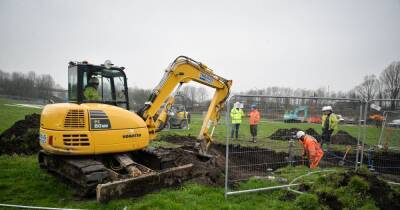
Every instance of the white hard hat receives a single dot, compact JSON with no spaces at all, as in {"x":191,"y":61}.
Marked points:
{"x":326,"y":108}
{"x":236,"y":104}
{"x":300,"y":134}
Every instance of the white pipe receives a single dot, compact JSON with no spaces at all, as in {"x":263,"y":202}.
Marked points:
{"x":261,"y":189}
{"x":304,"y":175}
{"x":34,"y":207}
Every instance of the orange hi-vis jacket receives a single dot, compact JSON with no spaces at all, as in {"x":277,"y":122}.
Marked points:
{"x":254,"y":117}
{"x":313,"y":150}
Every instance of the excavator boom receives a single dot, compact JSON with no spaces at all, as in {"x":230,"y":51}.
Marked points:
{"x":184,"y":70}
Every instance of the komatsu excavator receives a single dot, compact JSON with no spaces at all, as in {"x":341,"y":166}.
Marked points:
{"x":101,"y":146}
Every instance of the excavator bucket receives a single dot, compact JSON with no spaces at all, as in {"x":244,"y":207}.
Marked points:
{"x":146,"y":183}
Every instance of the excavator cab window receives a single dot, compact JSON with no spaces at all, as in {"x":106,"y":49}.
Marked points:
{"x":97,"y":84}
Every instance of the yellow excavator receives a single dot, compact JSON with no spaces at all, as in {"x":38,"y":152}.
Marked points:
{"x":102,"y":147}
{"x":174,"y":115}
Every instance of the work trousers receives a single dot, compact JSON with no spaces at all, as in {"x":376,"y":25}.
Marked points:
{"x":235,"y":129}
{"x":326,"y":137}
{"x":253,"y":130}
{"x":315,"y":161}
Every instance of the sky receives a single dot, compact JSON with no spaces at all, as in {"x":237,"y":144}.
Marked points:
{"x":299,"y":44}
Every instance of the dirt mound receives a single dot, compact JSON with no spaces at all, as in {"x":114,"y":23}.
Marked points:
{"x":342,"y":137}
{"x":211,"y":172}
{"x":287,"y":134}
{"x":284,"y":134}
{"x":313,"y":133}
{"x":22,"y":137}
{"x":208,"y":171}
{"x":353,"y":190}
{"x":205,"y":171}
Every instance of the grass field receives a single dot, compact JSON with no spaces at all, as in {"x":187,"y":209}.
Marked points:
{"x":22,"y":182}
{"x":9,"y":114}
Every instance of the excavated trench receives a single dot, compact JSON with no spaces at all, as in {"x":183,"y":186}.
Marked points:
{"x":211,"y":172}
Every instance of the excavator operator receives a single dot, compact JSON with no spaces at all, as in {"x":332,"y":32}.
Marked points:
{"x":90,"y":91}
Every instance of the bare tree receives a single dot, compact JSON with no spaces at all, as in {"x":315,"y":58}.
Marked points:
{"x":368,"y":88}
{"x":390,"y":78}
{"x":190,"y":92}
{"x":137,"y":97}
{"x":27,"y":85}
{"x":201,"y":94}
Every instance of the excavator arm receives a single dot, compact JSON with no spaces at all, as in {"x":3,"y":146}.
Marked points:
{"x":162,"y":118}
{"x":184,"y":70}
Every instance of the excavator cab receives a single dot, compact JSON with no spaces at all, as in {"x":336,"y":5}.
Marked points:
{"x":112,"y":88}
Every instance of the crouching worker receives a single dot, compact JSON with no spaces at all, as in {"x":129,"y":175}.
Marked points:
{"x":312,"y":148}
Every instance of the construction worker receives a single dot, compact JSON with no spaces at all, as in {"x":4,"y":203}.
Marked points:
{"x":329,"y":124}
{"x":236,"y":117}
{"x":253,"y":121}
{"x":90,"y":91}
{"x":311,"y":148}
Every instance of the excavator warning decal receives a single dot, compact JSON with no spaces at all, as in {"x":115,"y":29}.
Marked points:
{"x":99,"y":120}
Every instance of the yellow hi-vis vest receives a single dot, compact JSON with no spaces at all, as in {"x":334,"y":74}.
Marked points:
{"x":91,"y":93}
{"x":236,"y":115}
{"x":333,"y":121}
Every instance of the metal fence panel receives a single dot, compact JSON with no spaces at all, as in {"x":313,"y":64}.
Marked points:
{"x":275,"y":146}
{"x":381,"y":151}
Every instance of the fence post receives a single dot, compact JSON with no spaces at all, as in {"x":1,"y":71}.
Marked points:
{"x":227,"y":145}
{"x":359,"y":135}
{"x":290,"y":152}
{"x":364,"y":131}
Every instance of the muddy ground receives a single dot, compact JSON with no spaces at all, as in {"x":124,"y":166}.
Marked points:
{"x":245,"y":162}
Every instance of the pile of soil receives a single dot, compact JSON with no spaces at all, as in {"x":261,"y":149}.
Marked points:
{"x":284,"y":134}
{"x":342,"y":137}
{"x":313,"y":133}
{"x":22,"y":137}
{"x":211,"y":171}
{"x":207,"y":171}
{"x":287,"y":134}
